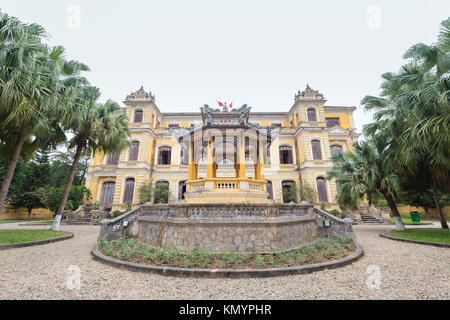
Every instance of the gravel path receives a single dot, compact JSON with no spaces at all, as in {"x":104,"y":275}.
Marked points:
{"x":408,"y":271}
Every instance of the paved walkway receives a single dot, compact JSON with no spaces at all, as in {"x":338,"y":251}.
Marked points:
{"x":408,"y":271}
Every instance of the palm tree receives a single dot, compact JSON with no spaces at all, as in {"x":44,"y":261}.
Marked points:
{"x":25,"y":87}
{"x":35,"y":88}
{"x":366,"y":171}
{"x":414,"y":114}
{"x":96,"y":127}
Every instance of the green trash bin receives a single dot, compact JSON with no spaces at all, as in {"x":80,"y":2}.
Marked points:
{"x":415,"y":216}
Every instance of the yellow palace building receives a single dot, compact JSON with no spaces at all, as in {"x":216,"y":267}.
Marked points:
{"x":227,"y":154}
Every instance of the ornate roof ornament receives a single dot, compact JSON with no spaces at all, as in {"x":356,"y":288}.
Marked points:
{"x":141,"y":95}
{"x":225,"y":116}
{"x":309,"y":94}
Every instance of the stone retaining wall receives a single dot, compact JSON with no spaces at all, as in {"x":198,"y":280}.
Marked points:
{"x":231,"y":226}
{"x":244,"y":234}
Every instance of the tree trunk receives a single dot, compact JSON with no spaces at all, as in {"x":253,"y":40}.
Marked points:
{"x":9,"y":173}
{"x":29,"y":214}
{"x":439,"y":209}
{"x":427,"y":213}
{"x":66,"y":192}
{"x":398,"y":220}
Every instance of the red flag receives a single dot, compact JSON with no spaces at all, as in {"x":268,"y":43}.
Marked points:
{"x":231,"y":105}
{"x":220,"y":104}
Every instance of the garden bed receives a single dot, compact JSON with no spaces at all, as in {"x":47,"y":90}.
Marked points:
{"x":319,"y":251}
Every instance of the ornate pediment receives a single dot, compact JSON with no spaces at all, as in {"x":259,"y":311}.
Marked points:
{"x":338,"y":131}
{"x":141,"y":95}
{"x":309,"y":94}
{"x":225,"y":116}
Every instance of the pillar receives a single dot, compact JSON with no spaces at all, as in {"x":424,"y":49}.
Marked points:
{"x":241,"y":166}
{"x":210,"y":160}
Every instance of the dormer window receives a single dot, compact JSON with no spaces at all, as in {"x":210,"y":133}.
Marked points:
{"x":312,"y":116}
{"x":138,"y":116}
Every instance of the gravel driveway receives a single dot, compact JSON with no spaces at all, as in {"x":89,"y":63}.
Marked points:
{"x":408,"y":271}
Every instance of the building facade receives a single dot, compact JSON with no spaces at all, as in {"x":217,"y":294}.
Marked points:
{"x":225,"y":154}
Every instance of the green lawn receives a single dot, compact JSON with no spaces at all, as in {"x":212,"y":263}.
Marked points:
{"x":408,"y":220}
{"x":41,"y":222}
{"x":10,"y":221}
{"x":431,"y":235}
{"x":18,"y":236}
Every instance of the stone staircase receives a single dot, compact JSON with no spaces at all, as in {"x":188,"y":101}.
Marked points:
{"x":368,"y":218}
{"x":84,"y":215}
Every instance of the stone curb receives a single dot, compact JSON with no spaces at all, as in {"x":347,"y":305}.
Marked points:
{"x":227,"y":273}
{"x":435,"y":244}
{"x":34,"y":225}
{"x":68,"y":235}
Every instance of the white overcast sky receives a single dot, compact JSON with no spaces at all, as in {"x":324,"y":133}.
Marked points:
{"x":190,"y":53}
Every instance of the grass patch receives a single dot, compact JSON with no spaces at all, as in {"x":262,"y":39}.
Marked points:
{"x":41,"y":222}
{"x":132,"y":250}
{"x":19,"y":236}
{"x":408,"y":220}
{"x":11,"y":221}
{"x":430,"y":235}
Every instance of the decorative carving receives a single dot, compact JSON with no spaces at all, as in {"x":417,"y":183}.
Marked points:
{"x":140,"y":95}
{"x":309,"y":94}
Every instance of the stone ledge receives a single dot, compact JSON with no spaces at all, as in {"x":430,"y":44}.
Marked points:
{"x":257,"y":220}
{"x":68,"y":235}
{"x":227,"y":273}
{"x":435,"y":244}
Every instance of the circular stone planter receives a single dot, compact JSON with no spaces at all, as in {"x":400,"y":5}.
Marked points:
{"x":227,"y":273}
{"x":67,"y":236}
{"x":435,"y":244}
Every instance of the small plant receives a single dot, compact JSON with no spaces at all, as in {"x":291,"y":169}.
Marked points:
{"x":259,"y":260}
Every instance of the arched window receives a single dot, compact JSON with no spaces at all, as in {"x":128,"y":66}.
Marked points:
{"x":312,"y":114}
{"x":134,"y":152}
{"x":113,"y":158}
{"x":336,"y":149}
{"x":286,"y":155}
{"x":316,"y":149}
{"x":129,"y":190}
{"x":164,"y":156}
{"x":138,"y":115}
{"x":322,"y":189}
{"x":269,"y":189}
{"x":161,"y":192}
{"x":107,"y":193}
{"x":289,"y":190}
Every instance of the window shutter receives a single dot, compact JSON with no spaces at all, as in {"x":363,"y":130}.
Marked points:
{"x":138,"y":116}
{"x":129,"y":191}
{"x":312,"y":115}
{"x":160,"y":156}
{"x":107,"y":193}
{"x":169,"y":155}
{"x":322,"y":190}
{"x":281,"y":157}
{"x":134,"y":153}
{"x":316,"y":149}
